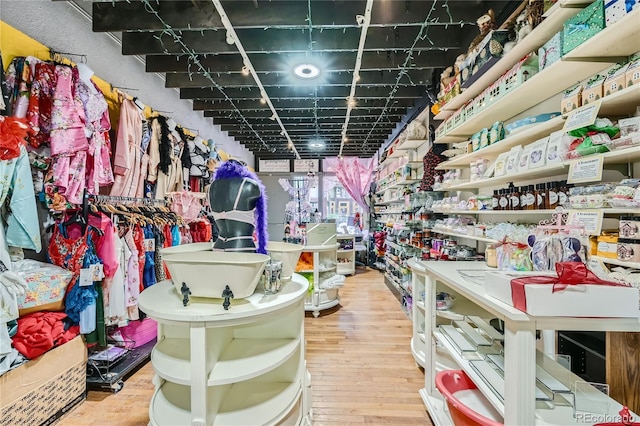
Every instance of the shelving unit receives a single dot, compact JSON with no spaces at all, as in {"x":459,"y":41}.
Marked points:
{"x":346,"y":255}
{"x":321,"y":298}
{"x":517,"y":403}
{"x":244,"y":365}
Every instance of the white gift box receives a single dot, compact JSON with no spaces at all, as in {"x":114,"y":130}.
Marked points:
{"x":581,"y":300}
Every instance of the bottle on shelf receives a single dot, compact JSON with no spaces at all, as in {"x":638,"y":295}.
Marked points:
{"x":503,"y":202}
{"x":494,"y":200}
{"x":541,"y":196}
{"x":514,"y":197}
{"x":552,"y":195}
{"x":563,"y":193}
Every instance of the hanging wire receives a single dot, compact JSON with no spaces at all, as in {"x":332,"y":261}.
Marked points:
{"x":421,"y":36}
{"x":195,"y":61}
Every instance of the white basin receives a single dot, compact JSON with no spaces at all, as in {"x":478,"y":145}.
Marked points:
{"x":207,"y":272}
{"x":286,"y":252}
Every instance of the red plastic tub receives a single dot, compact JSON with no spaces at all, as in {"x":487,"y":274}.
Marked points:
{"x":449,"y":382}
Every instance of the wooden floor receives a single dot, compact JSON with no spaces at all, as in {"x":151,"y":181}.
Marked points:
{"x":358,"y":354}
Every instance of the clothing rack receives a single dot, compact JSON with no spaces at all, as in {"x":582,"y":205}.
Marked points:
{"x":126,"y":200}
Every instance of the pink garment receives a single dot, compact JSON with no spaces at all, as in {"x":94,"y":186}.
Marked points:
{"x":128,"y":155}
{"x":67,"y":115}
{"x":99,"y":172}
{"x":132,"y":280}
{"x":69,"y":173}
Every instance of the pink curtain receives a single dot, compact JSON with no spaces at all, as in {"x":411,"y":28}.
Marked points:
{"x":355,"y":174}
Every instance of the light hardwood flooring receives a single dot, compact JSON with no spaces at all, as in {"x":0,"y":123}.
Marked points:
{"x":358,"y":354}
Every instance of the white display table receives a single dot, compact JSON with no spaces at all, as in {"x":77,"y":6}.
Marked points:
{"x":517,"y":402}
{"x":239,"y":366}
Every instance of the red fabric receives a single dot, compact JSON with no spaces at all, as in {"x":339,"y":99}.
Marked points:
{"x":200,"y":231}
{"x":569,"y":273}
{"x":168,"y":242}
{"x":13,"y":131}
{"x":68,"y":253}
{"x":138,"y":237}
{"x":41,"y":331}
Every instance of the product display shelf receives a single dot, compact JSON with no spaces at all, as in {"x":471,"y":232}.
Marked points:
{"x":320,"y":298}
{"x":587,"y":59}
{"x":634,"y":265}
{"x":519,"y":405}
{"x":236,"y":366}
{"x":346,"y":255}
{"x":409,"y":144}
{"x":394,"y":201}
{"x":605,"y":210}
{"x":553,"y":23}
{"x":524,"y":136}
{"x":469,"y":237}
{"x":620,"y":156}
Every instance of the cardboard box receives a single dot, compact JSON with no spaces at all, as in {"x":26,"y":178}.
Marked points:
{"x":614,"y":10}
{"x":582,"y":300}
{"x":44,"y":389}
{"x":593,"y":89}
{"x":550,"y":52}
{"x":633,"y":73}
{"x":320,"y":234}
{"x":571,"y":99}
{"x":581,"y":27}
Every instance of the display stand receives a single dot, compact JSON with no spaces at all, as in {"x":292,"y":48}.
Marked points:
{"x":346,"y":255}
{"x":320,"y":298}
{"x":244,"y":365}
{"x":516,"y":400}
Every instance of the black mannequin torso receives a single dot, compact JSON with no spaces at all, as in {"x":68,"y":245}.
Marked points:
{"x":232,"y":202}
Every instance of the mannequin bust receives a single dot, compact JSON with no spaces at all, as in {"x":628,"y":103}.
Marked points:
{"x":238,"y":206}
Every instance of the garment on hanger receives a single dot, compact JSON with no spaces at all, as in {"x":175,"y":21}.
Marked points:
{"x":99,"y":172}
{"x":41,"y":103}
{"x":23,"y":227}
{"x":127,"y":160}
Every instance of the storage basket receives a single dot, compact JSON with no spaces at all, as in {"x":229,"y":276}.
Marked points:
{"x":450,"y":382}
{"x":441,"y":130}
{"x":457,"y":118}
{"x":521,"y":72}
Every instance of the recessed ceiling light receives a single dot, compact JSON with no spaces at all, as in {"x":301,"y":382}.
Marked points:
{"x":316,"y":145}
{"x":306,"y":71}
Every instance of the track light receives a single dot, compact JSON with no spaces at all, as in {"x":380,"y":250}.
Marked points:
{"x":263,"y":101}
{"x":245,"y":70}
{"x":273,"y":117}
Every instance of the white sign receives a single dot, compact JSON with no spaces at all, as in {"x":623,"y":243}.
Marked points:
{"x":588,"y":169}
{"x":591,"y":220}
{"x":582,"y":117}
{"x":305,"y":166}
{"x":274,"y":166}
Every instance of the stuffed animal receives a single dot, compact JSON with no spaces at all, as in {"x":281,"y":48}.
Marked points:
{"x":485,"y":23}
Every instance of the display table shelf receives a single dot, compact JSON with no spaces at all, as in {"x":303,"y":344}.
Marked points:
{"x":321,"y":299}
{"x":520,"y":357}
{"x":244,"y":365}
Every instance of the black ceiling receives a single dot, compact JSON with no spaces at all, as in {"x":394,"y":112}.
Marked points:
{"x":407,"y":44}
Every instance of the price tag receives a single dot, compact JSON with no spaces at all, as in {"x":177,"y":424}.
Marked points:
{"x":150,"y":244}
{"x":582,"y":117}
{"x":91,"y":274}
{"x":588,"y":169}
{"x":591,"y":220}
{"x":85,"y":277}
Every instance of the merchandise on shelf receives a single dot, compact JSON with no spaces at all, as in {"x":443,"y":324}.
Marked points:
{"x":580,"y":28}
{"x":550,"y":52}
{"x":614,"y":10}
{"x":571,"y":99}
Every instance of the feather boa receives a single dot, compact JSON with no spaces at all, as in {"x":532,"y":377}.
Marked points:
{"x":232,"y":168}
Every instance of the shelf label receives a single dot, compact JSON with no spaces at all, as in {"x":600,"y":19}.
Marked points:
{"x":582,"y":117}
{"x":588,"y":169}
{"x":591,"y":220}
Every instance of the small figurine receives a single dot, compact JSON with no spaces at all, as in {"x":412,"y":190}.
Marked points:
{"x":445,"y":79}
{"x":185,"y":294}
{"x":227,"y":295}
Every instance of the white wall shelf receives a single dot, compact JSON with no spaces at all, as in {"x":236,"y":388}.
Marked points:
{"x":553,"y":23}
{"x":582,"y":62}
{"x":346,"y":255}
{"x":634,"y":265}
